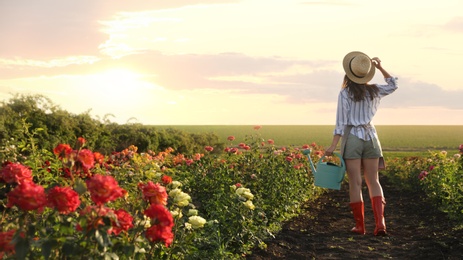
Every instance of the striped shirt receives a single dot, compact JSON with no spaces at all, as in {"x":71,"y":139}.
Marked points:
{"x":359,"y":114}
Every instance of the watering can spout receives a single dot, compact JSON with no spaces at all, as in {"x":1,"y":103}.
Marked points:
{"x":307,"y":152}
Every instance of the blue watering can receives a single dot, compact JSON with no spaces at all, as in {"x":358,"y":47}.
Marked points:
{"x":327,"y":175}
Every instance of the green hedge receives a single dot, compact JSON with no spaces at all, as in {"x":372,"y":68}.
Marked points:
{"x":52,"y":125}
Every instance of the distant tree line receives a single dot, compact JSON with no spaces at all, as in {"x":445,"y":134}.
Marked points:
{"x":24,"y":116}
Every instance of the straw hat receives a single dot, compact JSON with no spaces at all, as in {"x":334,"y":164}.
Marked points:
{"x":358,"y":67}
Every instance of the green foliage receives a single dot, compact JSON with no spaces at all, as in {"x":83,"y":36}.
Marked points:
{"x":437,"y":176}
{"x":223,"y":204}
{"x":225,"y":198}
{"x":49,"y":234}
{"x":277,"y":178}
{"x":404,"y":171}
{"x":441,"y":181}
{"x":59,"y":126}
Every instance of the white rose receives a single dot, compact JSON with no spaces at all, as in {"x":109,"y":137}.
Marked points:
{"x":196,"y":221}
{"x":176,"y":213}
{"x":192,"y":212}
{"x":174,"y":193}
{"x":249,"y":205}
{"x":175,"y":184}
{"x":242,"y":190}
{"x":182,"y":199}
{"x":248,"y":195}
{"x":188,"y":226}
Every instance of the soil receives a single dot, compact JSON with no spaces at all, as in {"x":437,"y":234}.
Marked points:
{"x":416,"y":230}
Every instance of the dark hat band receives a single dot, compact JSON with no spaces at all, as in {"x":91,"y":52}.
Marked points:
{"x":350,"y":68}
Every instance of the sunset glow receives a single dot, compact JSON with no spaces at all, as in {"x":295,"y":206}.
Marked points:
{"x":229,"y":61}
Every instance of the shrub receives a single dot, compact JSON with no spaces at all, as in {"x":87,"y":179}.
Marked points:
{"x":72,"y":202}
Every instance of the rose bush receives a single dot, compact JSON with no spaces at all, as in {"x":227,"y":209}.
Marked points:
{"x":71,"y":205}
{"x":438,"y":175}
{"x":72,"y":202}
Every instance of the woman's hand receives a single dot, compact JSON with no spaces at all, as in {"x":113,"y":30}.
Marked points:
{"x":377,"y":62}
{"x":330,"y":150}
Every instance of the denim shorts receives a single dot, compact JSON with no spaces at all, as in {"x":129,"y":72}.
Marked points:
{"x":357,"y":148}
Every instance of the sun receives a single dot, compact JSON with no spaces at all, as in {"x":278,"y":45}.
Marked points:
{"x":123,"y":85}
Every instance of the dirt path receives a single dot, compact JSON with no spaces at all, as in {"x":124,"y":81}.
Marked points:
{"x":416,"y":231}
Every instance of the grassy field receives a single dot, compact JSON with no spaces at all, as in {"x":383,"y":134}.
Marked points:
{"x":396,"y":140}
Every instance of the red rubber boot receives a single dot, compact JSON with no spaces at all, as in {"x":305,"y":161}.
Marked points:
{"x":377,"y":203}
{"x":358,"y":210}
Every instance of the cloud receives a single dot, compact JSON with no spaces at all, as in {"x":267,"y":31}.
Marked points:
{"x":56,"y":28}
{"x":298,"y":81}
{"x":48,"y":28}
{"x":455,"y":24}
{"x":248,"y":74}
{"x":413,"y":93}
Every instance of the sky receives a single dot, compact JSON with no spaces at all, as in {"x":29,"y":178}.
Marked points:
{"x":231,"y":62}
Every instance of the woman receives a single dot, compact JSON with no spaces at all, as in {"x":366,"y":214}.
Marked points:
{"x":357,"y":105}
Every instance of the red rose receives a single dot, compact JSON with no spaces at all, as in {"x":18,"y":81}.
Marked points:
{"x":62,"y":150}
{"x":160,"y":215}
{"x":159,"y":233}
{"x":104,"y":189}
{"x":231,"y":138}
{"x":163,"y":223}
{"x":154,"y":193}
{"x":124,"y":221}
{"x":197,"y":156}
{"x":16,"y":173}
{"x":81,"y":141}
{"x":6,"y":245}
{"x":166,"y":179}
{"x":86,"y":158}
{"x":63,"y":199}
{"x":209,"y":148}
{"x":189,"y":162}
{"x":27,"y":196}
{"x":99,"y":158}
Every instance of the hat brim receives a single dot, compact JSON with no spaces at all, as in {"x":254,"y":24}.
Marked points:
{"x":348,"y":71}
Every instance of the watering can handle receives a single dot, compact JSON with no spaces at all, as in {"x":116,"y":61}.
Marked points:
{"x":307,"y":152}
{"x":343,"y":164}
{"x":340,"y":158}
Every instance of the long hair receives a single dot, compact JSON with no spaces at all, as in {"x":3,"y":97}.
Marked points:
{"x":359,"y":92}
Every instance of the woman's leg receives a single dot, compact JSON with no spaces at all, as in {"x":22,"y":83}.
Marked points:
{"x":354,"y":172}
{"x":370,"y":168}
{"x":355,"y":193}
{"x":370,"y":171}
